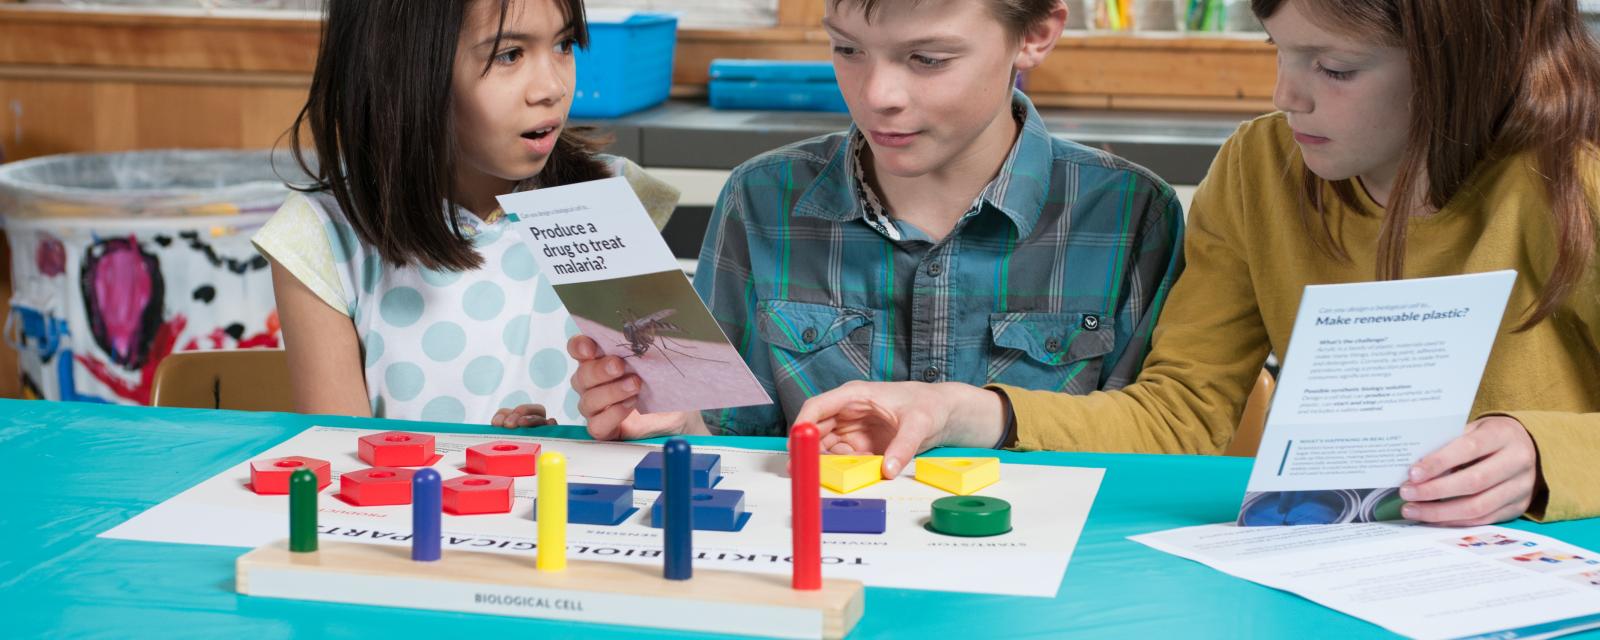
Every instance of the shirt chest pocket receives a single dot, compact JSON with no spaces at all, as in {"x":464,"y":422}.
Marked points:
{"x":1049,"y":351}
{"x":816,"y":347}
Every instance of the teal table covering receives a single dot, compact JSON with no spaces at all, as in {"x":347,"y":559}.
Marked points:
{"x":75,"y":470}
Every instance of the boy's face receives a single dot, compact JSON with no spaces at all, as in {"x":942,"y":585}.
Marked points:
{"x":507,"y":121}
{"x":926,"y":82}
{"x":1348,"y":101}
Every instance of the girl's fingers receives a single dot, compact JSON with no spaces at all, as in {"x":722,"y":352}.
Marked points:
{"x":1473,"y":479}
{"x":606,"y":424}
{"x":1503,"y":501}
{"x":598,"y":399}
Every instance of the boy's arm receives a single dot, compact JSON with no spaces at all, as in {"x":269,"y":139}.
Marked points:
{"x":723,"y":279}
{"x":1205,"y":353}
{"x":1153,"y":265}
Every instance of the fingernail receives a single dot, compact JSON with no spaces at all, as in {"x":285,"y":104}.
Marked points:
{"x":1416,"y":474}
{"x":891,"y":468}
{"x":1408,"y":512}
{"x":1408,"y":493}
{"x":631,"y":385}
{"x":613,"y":369}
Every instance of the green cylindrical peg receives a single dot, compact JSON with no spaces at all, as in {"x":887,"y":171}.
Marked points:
{"x":303,"y":511}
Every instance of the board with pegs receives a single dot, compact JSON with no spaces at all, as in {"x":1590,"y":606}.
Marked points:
{"x":545,"y":585}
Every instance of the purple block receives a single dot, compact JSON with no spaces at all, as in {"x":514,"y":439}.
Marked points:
{"x":854,"y":515}
{"x":714,"y":510}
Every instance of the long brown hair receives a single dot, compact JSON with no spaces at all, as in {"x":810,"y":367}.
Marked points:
{"x":379,"y":115}
{"x":1490,"y":78}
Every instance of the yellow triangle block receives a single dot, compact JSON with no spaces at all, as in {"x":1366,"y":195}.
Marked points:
{"x":844,"y":474}
{"x":961,"y":476}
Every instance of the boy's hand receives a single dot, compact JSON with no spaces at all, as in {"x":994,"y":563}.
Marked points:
{"x":901,"y":419}
{"x":607,"y":394}
{"x":527,"y":415}
{"x":1485,"y":476}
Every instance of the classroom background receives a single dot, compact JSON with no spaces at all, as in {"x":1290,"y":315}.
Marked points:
{"x":136,"y":142}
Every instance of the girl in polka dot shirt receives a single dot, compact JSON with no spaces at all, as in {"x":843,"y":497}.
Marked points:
{"x":402,"y":291}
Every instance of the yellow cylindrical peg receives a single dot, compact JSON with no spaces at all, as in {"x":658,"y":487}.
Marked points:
{"x":552,"y":512}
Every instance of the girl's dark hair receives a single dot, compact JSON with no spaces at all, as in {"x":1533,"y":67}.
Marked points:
{"x":379,"y":116}
{"x":1490,"y":78}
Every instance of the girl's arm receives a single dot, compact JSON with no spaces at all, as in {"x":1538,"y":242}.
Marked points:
{"x":323,"y":349}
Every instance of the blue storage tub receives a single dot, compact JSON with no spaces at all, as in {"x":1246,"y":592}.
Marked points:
{"x":627,"y":67}
{"x":775,"y":85}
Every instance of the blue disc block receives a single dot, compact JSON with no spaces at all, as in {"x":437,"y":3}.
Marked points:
{"x":854,"y":515}
{"x":705,"y":469}
{"x":714,"y":510}
{"x":598,"y":504}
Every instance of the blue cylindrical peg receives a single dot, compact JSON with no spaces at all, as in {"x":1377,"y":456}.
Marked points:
{"x":426,"y":494}
{"x":679,"y":529}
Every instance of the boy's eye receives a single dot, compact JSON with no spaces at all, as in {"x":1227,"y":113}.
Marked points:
{"x":1334,"y":75}
{"x":842,"y":50}
{"x":567,"y":46}
{"x":925,"y":61}
{"x":509,"y":56}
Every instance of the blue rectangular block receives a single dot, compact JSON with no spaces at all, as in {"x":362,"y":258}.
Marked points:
{"x":705,"y":469}
{"x":854,"y":515}
{"x":602,"y":504}
{"x":714,"y":510}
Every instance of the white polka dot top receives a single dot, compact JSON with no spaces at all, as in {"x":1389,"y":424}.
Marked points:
{"x":444,"y":346}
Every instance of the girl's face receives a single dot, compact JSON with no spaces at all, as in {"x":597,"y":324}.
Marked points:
{"x":1348,"y":101}
{"x":506,"y":121}
{"x":926,"y":82}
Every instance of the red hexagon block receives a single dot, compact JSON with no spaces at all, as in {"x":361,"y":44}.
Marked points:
{"x":376,"y":487}
{"x":271,"y":476}
{"x":397,"y":449}
{"x":504,"y":458}
{"x":469,"y":495}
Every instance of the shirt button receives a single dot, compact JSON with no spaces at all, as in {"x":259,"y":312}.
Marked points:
{"x":930,"y":374}
{"x":1052,"y":345}
{"x":935,"y":269}
{"x":809,"y":336}
{"x":1091,"y":323}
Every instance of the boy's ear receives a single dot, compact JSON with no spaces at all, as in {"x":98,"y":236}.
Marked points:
{"x":1040,"y":38}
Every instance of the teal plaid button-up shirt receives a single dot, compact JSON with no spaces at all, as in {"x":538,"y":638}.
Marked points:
{"x":1052,"y":280}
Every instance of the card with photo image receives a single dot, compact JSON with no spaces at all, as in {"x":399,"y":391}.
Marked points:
{"x":624,"y":289}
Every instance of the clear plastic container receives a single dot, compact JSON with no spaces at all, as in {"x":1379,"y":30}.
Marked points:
{"x":118,"y":260}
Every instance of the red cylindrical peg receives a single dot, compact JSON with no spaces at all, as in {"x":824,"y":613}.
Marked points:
{"x":806,"y":502}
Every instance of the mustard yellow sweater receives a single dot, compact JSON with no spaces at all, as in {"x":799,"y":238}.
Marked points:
{"x":1249,"y":258}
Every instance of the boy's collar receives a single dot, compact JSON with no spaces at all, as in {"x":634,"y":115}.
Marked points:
{"x":1018,"y":190}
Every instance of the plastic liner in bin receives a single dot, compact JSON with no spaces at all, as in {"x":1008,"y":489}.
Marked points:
{"x":119,"y":260}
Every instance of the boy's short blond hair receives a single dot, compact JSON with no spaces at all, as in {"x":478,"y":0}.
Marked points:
{"x":1015,"y":15}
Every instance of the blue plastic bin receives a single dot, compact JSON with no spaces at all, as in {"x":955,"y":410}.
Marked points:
{"x":627,"y":67}
{"x":775,"y":85}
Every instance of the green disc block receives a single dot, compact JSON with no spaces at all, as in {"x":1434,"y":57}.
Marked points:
{"x":302,"y":511}
{"x":970,"y":516}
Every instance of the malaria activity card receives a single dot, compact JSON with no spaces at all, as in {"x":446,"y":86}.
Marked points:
{"x":623,"y":288}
